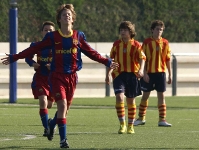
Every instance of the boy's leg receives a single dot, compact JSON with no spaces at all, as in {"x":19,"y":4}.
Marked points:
{"x":62,"y":122}
{"x":142,"y":109}
{"x":131,"y":114}
{"x":43,"y":112}
{"x":51,"y":127}
{"x":120,"y":109}
{"x":50,"y":102}
{"x":162,"y":110}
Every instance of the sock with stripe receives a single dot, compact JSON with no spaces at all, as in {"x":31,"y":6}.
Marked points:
{"x":61,"y":122}
{"x":131,"y":114}
{"x":162,"y":112}
{"x":120,"y":112}
{"x":44,"y":117}
{"x":142,"y":109}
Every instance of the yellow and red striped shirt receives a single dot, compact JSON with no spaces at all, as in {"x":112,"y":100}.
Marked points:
{"x":127,"y":55}
{"x":157,"y":54}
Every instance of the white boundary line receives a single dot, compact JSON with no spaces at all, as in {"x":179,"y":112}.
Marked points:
{"x":27,"y":137}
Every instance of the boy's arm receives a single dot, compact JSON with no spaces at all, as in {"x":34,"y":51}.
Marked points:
{"x":142,"y":68}
{"x":168,"y":64}
{"x":108,"y":76}
{"x":142,"y":59}
{"x":29,"y":60}
{"x":91,"y":53}
{"x":45,"y":43}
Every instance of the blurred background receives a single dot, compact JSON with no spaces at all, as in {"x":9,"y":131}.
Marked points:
{"x":99,"y":19}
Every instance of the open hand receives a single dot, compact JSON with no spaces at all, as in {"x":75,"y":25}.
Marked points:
{"x":6,"y":60}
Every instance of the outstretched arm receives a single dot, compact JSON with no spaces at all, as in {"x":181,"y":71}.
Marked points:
{"x":46,"y":43}
{"x":93,"y":54}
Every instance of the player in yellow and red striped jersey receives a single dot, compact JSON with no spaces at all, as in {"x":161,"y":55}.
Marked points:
{"x":129,"y":54}
{"x":158,"y":55}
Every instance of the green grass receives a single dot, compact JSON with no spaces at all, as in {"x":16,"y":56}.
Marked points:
{"x":93,"y":125}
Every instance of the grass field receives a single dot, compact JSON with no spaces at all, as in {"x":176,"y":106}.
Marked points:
{"x":93,"y":125}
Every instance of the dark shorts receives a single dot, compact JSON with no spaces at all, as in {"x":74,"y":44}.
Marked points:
{"x":157,"y":81}
{"x":63,"y":86}
{"x":127,"y":83}
{"x":40,"y":87}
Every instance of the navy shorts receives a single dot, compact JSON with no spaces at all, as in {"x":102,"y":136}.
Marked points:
{"x":127,"y":83}
{"x":157,"y":81}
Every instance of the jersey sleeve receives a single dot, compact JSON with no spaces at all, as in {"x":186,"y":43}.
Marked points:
{"x":141,"y":52}
{"x":112,"y":52}
{"x":90,"y":52}
{"x":168,"y":56}
{"x":46,"y":43}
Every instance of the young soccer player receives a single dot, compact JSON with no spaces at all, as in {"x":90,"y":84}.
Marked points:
{"x":128,"y":53}
{"x":67,"y":45}
{"x":158,"y":55}
{"x":40,"y":87}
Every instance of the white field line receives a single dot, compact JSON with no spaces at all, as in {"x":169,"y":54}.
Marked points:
{"x":27,"y":137}
{"x":5,"y":140}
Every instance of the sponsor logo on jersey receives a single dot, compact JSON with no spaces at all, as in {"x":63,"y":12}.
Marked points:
{"x":44,"y":59}
{"x":72,"y":50}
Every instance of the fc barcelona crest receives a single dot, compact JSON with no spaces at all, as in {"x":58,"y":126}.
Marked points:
{"x":74,"y":50}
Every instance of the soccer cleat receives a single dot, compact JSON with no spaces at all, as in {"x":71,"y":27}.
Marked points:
{"x":122,"y":129}
{"x":64,"y":144}
{"x":164,"y":124}
{"x":45,"y":132}
{"x":50,"y":132}
{"x":130,"y":129}
{"x":139,"y":122}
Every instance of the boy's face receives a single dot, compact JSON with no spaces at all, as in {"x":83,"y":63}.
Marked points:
{"x":46,"y":29}
{"x":125,"y":33}
{"x":66,"y":17}
{"x":157,"y":31}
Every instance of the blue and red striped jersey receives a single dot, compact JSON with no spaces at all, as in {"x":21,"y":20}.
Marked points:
{"x":44,"y":57}
{"x":66,"y":51}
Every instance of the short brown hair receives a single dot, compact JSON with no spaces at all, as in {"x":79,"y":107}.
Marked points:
{"x":157,"y":23}
{"x":47,"y":23}
{"x":64,"y":7}
{"x":128,"y":25}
